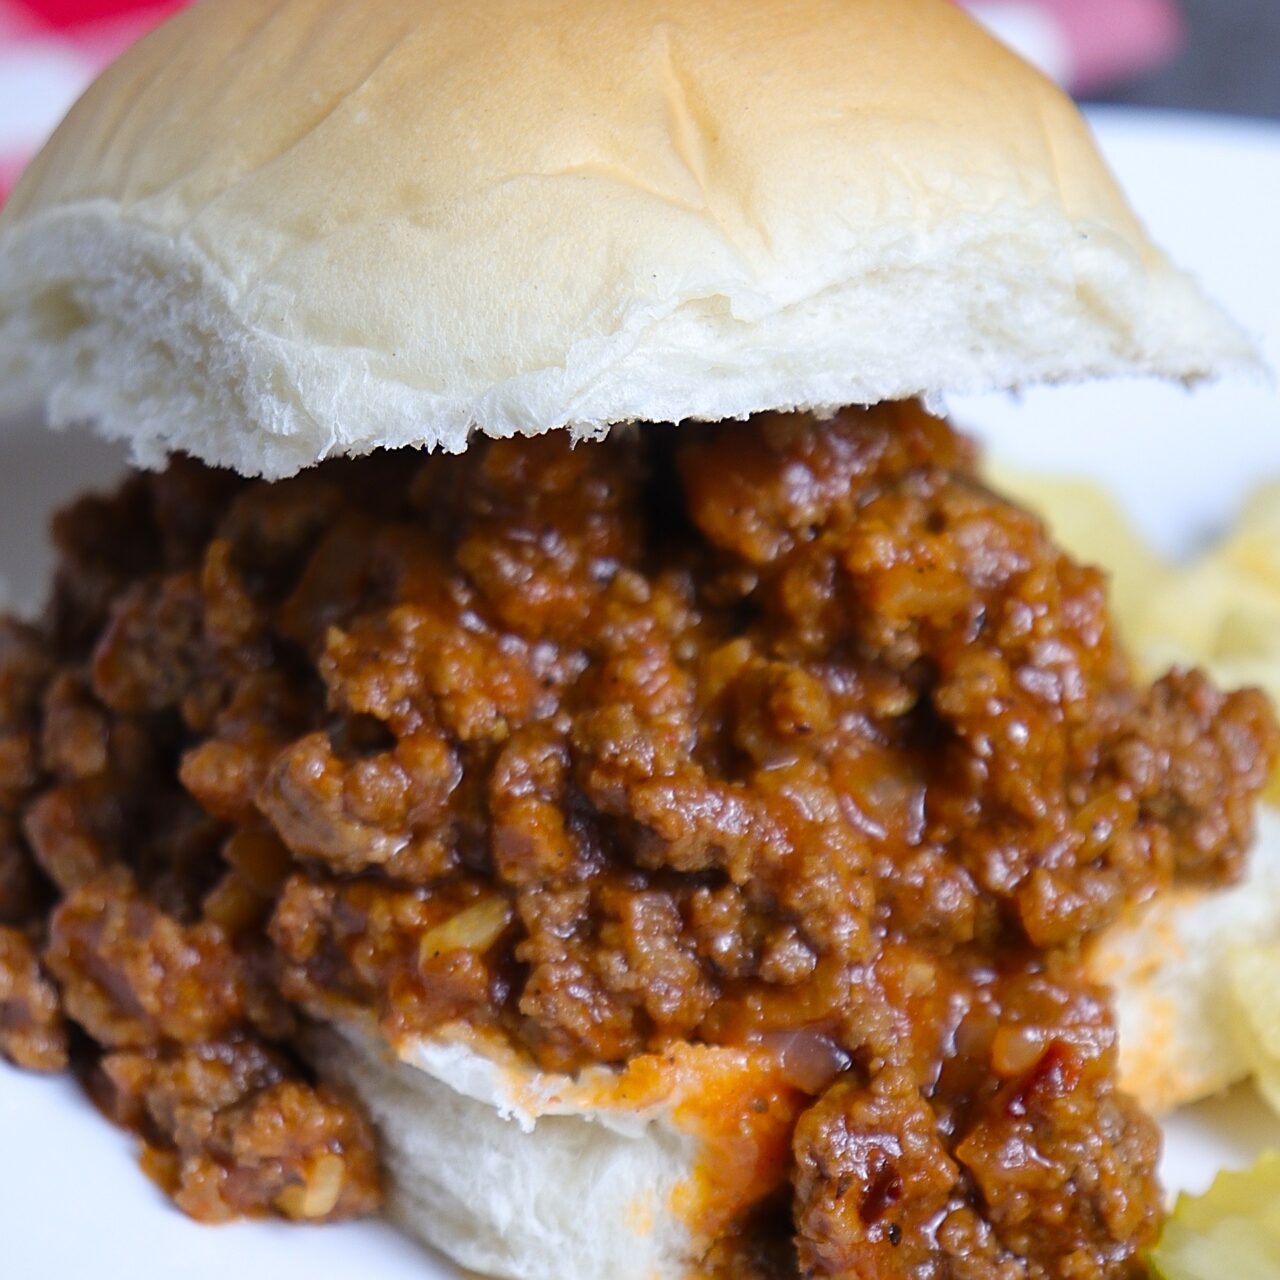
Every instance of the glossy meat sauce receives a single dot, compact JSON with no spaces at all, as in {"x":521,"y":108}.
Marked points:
{"x":782,"y":732}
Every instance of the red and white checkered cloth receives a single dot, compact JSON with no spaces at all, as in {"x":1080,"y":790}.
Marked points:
{"x":49,"y":50}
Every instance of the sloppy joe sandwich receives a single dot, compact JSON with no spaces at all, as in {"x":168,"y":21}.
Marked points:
{"x":556,"y":738}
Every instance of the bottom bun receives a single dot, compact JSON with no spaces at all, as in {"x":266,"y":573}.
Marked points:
{"x":1169,"y":963}
{"x":519,"y":1173}
{"x":524,"y":1174}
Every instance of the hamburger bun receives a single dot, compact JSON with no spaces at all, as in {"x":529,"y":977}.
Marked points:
{"x":519,"y":1173}
{"x":268,"y":237}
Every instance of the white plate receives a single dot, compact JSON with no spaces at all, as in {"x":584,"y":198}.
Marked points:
{"x":72,"y":1202}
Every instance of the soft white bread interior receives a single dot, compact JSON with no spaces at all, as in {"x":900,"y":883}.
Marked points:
{"x":1168,"y":964}
{"x":273,"y":233}
{"x":573,"y":1197}
{"x":521,"y":1174}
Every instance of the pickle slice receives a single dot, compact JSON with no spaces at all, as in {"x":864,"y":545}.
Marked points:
{"x":1232,"y":1232}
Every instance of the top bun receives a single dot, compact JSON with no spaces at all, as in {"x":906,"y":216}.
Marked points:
{"x":274,"y":233}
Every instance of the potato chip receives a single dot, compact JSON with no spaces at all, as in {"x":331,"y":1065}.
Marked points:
{"x":1254,"y":974}
{"x":1232,"y":1232}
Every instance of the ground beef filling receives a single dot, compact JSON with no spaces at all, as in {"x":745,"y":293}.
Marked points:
{"x":783,"y":732}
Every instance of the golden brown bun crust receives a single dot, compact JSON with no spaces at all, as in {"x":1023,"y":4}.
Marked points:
{"x":278,"y":231}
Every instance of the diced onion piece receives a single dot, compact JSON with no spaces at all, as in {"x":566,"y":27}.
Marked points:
{"x":318,"y":1196}
{"x":476,"y":928}
{"x":809,"y":1060}
{"x":261,"y":859}
{"x":233,"y":904}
